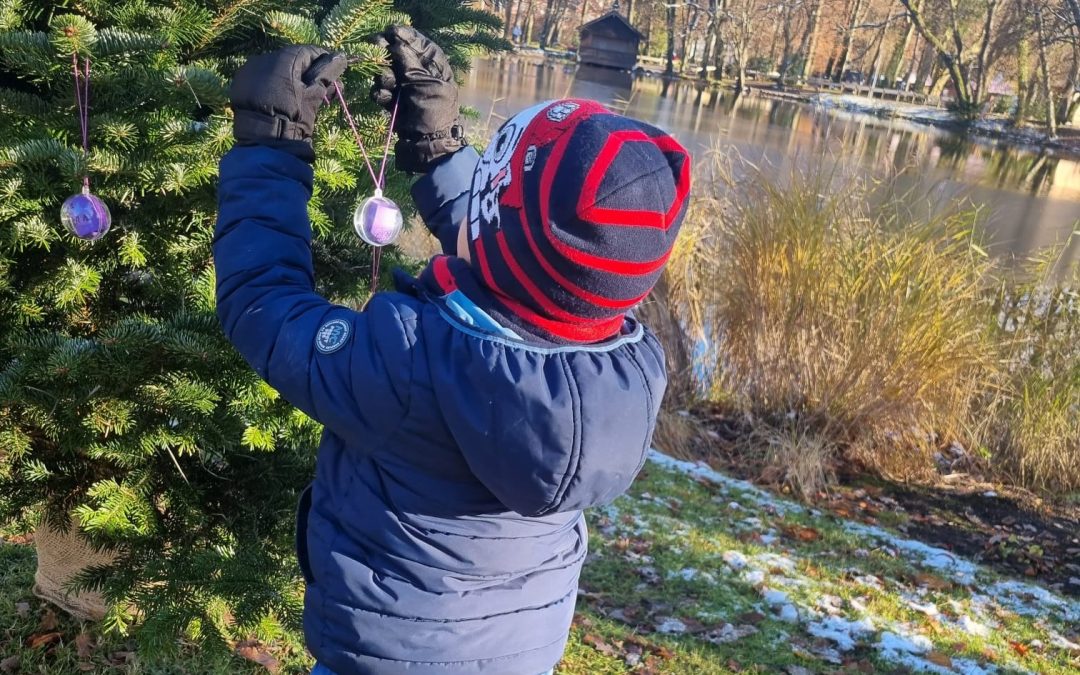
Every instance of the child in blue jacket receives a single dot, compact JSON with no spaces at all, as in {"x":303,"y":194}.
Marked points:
{"x":471,"y":414}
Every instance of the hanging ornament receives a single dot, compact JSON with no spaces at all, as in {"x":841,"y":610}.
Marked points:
{"x":377,"y":220}
{"x":84,"y":214}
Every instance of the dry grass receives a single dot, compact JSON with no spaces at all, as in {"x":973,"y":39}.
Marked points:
{"x":842,"y":323}
{"x":1031,"y":424}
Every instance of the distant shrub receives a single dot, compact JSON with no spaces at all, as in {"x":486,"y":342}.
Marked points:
{"x":843,"y":322}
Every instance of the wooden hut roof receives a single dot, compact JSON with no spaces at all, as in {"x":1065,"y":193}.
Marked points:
{"x":614,"y":13}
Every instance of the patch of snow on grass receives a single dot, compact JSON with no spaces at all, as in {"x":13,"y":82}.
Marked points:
{"x":938,"y":559}
{"x":774,"y":597}
{"x":773,"y":561}
{"x":841,"y":631}
{"x":671,"y":626}
{"x":973,"y":627}
{"x":1030,"y":600}
{"x":700,"y":470}
{"x":789,"y":614}
{"x":893,"y":643}
{"x":734,"y":559}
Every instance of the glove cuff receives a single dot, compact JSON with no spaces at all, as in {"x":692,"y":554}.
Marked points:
{"x":417,"y":154}
{"x":252,"y":126}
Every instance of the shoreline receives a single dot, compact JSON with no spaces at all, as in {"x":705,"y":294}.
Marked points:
{"x":993,"y":127}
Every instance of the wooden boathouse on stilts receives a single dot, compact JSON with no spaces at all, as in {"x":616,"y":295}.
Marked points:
{"x":610,"y":41}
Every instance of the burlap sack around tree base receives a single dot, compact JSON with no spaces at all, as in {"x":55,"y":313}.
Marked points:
{"x":61,"y":556}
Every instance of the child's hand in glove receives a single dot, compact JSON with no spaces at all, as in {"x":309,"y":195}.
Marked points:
{"x":421,"y":82}
{"x":276,"y":96}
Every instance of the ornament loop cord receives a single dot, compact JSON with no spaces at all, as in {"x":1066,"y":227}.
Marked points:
{"x":376,"y":255}
{"x":378,"y":179}
{"x":82,"y":103}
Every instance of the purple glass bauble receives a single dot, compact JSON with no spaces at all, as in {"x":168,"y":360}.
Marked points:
{"x":86,"y":216}
{"x":378,"y":220}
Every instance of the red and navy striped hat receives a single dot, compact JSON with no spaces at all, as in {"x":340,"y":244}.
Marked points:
{"x":573,"y":213}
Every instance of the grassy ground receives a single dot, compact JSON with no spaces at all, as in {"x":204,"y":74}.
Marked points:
{"x":692,"y":572}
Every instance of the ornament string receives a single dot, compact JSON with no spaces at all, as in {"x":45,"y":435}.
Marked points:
{"x":82,"y":103}
{"x":83,"y":214}
{"x":378,"y":179}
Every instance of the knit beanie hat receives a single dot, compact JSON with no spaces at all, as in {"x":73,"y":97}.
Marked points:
{"x":573,"y":213}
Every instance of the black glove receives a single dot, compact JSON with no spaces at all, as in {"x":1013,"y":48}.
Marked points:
{"x":421,"y":82}
{"x":275,"y":96}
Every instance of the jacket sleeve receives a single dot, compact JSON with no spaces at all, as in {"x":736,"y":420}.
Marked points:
{"x":442,"y":196}
{"x":349,"y":370}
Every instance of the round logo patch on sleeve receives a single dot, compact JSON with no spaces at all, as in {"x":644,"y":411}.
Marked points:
{"x":332,"y":336}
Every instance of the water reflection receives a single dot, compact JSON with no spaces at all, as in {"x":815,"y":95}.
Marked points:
{"x":1030,"y":198}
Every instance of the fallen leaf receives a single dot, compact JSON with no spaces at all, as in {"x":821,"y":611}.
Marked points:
{"x":582,"y":621}
{"x":252,"y":651}
{"x":22,"y":609}
{"x":1019,"y":647}
{"x":9,"y":664}
{"x":120,"y":658}
{"x":48,"y":620}
{"x":84,"y":645}
{"x":599,"y":644}
{"x":939,"y":659}
{"x":801,"y":533}
{"x":932,"y":581}
{"x":42,"y":639}
{"x":752,"y":618}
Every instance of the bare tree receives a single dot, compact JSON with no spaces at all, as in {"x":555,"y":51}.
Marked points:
{"x":950,"y":28}
{"x":740,"y":20}
{"x":669,"y":68}
{"x":855,"y":15}
{"x":810,"y":39}
{"x":1044,"y":68}
{"x":789,"y":13}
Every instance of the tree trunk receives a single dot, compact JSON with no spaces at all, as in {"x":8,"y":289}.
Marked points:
{"x":1070,"y":102}
{"x":527,"y":29}
{"x":811,"y":40}
{"x":720,"y":48}
{"x":913,"y":67}
{"x":1023,"y":49}
{"x":508,"y":20}
{"x":876,"y":68}
{"x":928,"y":66}
{"x":952,"y":59}
{"x":630,"y":11}
{"x":688,"y":27}
{"x":983,"y":76}
{"x":669,"y":69}
{"x":784,"y":64}
{"x":545,"y":29}
{"x":710,"y":41}
{"x":896,"y":62}
{"x":854,"y":18}
{"x":1044,"y":71}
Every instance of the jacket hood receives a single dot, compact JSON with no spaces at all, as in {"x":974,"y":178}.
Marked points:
{"x":546,"y":428}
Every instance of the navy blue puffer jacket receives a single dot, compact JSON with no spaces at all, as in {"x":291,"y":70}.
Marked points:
{"x":443,"y":531}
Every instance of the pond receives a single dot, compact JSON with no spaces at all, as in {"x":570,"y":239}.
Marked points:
{"x":1029,"y":198}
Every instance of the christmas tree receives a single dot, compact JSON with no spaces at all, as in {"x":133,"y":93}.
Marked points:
{"x":121,"y":404}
